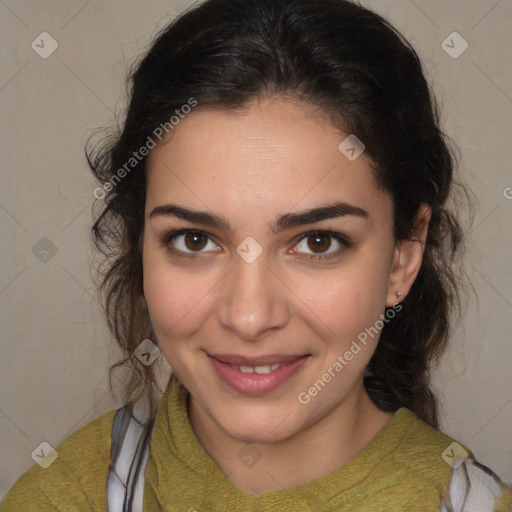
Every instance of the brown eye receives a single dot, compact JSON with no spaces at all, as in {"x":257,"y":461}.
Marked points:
{"x":318,"y":245}
{"x":188,"y":242}
{"x":319,"y":242}
{"x":195,"y":241}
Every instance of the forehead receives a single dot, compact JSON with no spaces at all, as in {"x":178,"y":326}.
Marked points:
{"x":267,"y":158}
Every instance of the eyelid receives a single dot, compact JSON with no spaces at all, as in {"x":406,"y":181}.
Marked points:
{"x":166,"y":238}
{"x":338,"y":237}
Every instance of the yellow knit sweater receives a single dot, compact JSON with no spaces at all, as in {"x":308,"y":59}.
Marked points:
{"x":401,"y":470}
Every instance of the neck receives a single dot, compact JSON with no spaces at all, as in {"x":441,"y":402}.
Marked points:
{"x":318,"y":450}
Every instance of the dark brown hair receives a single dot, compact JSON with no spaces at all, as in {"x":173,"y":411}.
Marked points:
{"x":358,"y":70}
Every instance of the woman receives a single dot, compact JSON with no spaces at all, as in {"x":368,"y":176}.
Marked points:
{"x":275,"y":221}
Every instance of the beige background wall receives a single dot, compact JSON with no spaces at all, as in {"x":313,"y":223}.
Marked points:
{"x":55,"y":349}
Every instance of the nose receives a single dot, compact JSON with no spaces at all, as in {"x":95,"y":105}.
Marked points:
{"x":253,"y":300}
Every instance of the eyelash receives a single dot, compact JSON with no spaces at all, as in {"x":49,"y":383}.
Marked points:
{"x":168,"y":237}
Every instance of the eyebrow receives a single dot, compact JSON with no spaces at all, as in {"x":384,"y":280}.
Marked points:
{"x":282,"y":223}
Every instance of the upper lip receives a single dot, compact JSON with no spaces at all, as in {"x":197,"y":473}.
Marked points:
{"x":265,"y":360}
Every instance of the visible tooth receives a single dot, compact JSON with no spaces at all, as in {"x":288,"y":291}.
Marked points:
{"x":262,"y":369}
{"x":257,"y":369}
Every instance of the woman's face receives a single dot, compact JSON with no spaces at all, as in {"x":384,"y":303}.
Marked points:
{"x":247,"y":287}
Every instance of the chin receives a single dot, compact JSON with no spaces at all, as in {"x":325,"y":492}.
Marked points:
{"x":256,"y":425}
{"x":246,"y":433}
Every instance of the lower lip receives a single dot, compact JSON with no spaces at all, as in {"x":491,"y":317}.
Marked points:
{"x":254,"y":383}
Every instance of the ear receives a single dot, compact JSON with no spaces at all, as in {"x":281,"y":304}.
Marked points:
{"x":407,"y":258}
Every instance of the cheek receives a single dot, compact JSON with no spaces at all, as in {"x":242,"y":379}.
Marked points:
{"x":175,"y":297}
{"x":347,"y":300}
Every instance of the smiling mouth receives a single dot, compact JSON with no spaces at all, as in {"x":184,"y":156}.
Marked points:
{"x":257,"y":374}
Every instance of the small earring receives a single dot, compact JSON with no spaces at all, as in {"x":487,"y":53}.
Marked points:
{"x":398,"y":294}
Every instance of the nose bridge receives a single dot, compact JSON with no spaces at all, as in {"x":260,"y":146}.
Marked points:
{"x":253,"y":300}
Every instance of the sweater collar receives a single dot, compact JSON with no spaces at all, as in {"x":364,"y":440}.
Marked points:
{"x":173,"y":433}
